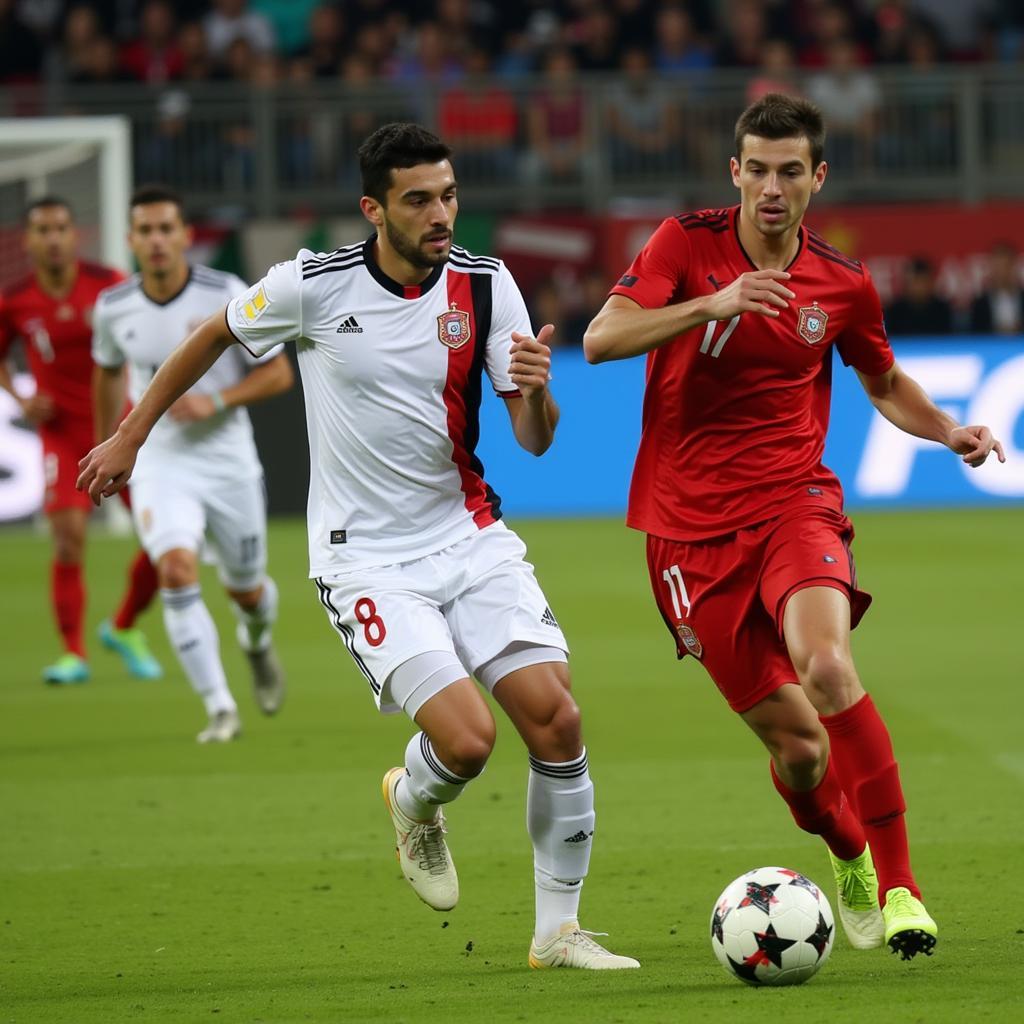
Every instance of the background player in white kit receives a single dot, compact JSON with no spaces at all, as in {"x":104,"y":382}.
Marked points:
{"x":198,"y":473}
{"x":420,"y":578}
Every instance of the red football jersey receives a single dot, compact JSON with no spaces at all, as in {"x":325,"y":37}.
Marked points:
{"x":735,"y":412}
{"x":57,"y":333}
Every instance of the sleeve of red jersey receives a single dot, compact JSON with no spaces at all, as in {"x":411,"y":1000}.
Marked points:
{"x":864,"y":344}
{"x":659,"y":268}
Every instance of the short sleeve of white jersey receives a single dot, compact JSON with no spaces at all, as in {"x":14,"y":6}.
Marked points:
{"x":270,"y":312}
{"x":508,"y":314}
{"x":105,"y":351}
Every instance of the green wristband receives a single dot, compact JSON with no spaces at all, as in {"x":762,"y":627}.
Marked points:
{"x":219,"y":405}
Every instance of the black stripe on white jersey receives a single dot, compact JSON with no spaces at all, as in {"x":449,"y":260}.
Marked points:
{"x":477,"y":268}
{"x":457,"y":252}
{"x":345,"y":632}
{"x":320,"y":259}
{"x":330,"y":268}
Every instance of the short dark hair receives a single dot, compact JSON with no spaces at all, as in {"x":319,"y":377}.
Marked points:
{"x":44,"y":203}
{"x":144,"y":195}
{"x":396,"y":145}
{"x":777,"y":116}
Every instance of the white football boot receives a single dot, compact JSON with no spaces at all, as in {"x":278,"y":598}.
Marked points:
{"x":422,"y":851}
{"x":223,"y":727}
{"x":268,"y":680}
{"x":573,"y":947}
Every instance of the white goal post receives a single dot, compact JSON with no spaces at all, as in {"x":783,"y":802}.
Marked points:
{"x":78,"y":158}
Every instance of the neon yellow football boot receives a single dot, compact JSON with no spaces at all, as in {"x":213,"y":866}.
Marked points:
{"x":909,"y":928}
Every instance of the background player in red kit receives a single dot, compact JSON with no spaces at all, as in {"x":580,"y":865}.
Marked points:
{"x":50,"y":310}
{"x":748,"y":547}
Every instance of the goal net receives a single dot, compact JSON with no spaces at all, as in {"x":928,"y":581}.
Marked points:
{"x":84,"y":160}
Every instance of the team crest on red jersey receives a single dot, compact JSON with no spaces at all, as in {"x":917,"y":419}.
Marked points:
{"x":453,"y":327}
{"x":813,"y":321}
{"x":690,"y":640}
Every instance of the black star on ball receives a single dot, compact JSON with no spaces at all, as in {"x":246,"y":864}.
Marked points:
{"x":820,"y":938}
{"x":803,"y":881}
{"x":771,"y":946}
{"x":760,"y":896}
{"x":721,"y":912}
{"x":744,"y":970}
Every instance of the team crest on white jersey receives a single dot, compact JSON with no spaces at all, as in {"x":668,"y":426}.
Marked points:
{"x":453,"y":327}
{"x":813,"y":321}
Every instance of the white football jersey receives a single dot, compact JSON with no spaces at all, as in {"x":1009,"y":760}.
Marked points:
{"x":128,"y":326}
{"x":392,"y":378}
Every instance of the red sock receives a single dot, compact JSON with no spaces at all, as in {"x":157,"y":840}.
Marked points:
{"x":866,"y":767}
{"x":68,"y":596}
{"x":824,"y":811}
{"x":142,"y":586}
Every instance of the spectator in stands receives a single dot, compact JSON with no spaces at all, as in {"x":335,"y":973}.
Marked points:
{"x":195,"y":57}
{"x":431,"y":62}
{"x":832,"y":24}
{"x":919,"y":309}
{"x":556,"y":127}
{"x":547,"y":306}
{"x":999,"y":309}
{"x":231,"y":20}
{"x":592,"y":292}
{"x":777,"y":72}
{"x":21,"y":55}
{"x":643,"y":124}
{"x":478,"y":118}
{"x":744,"y":32}
{"x":154,"y":57}
{"x":325,"y":41}
{"x":100,"y":64}
{"x":290,"y":22}
{"x":596,"y":43}
{"x":69,"y":60}
{"x":677,"y":49}
{"x":849,"y":97}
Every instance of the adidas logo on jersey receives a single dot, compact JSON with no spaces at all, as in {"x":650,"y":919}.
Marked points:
{"x":547,"y":619}
{"x":349,"y":326}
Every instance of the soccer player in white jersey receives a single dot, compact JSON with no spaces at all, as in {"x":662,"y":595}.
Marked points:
{"x":198,"y":475}
{"x":417,"y":573}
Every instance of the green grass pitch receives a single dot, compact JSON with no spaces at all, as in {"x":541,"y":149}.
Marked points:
{"x":144,"y":878}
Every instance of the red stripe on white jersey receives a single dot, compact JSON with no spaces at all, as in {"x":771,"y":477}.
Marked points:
{"x":457,"y":383}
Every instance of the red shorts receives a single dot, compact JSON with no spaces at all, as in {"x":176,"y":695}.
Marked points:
{"x":62,"y":451}
{"x":723,"y":599}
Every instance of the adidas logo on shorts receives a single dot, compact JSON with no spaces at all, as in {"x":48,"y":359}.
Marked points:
{"x":349,"y":326}
{"x":547,"y":619}
{"x":580,"y":837}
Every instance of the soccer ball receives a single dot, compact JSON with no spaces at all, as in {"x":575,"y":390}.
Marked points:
{"x":772,"y":926}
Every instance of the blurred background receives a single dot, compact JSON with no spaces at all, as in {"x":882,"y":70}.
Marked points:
{"x":576,"y":126}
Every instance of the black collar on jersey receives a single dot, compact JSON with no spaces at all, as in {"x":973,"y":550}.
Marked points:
{"x":736,"y":234}
{"x":170,"y":299}
{"x":396,"y":288}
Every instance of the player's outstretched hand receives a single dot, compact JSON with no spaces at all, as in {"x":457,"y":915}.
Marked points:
{"x":975,"y":444}
{"x":530,"y":368}
{"x":759,"y":291}
{"x":106,"y":469}
{"x":190,"y":408}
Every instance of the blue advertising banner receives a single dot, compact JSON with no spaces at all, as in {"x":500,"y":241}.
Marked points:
{"x":587,"y":470}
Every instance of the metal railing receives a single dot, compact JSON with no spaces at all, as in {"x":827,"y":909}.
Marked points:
{"x":955,"y":133}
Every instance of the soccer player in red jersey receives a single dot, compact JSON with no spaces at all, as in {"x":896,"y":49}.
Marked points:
{"x":50,"y":311}
{"x":748,"y":546}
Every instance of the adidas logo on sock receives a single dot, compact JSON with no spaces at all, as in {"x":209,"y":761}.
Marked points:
{"x":547,"y":619}
{"x":349,"y":326}
{"x":580,"y":837}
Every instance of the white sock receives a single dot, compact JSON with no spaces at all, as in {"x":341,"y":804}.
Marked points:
{"x":259,"y":620}
{"x":194,"y":638}
{"x":560,"y":819}
{"x":427,"y":782}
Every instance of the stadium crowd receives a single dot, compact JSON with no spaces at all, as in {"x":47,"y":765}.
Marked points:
{"x":444,"y":41}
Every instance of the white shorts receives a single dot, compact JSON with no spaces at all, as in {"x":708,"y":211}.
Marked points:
{"x":471,"y":600}
{"x":170,"y":514}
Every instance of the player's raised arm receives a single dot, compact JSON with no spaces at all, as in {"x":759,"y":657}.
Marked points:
{"x":904,"y":403}
{"x":535,"y":417}
{"x":107,"y":468}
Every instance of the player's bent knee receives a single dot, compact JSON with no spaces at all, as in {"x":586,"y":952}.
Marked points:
{"x":829,"y":678}
{"x":801,"y":757}
{"x":177,"y":568}
{"x":466,"y":754}
{"x":565,"y":729}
